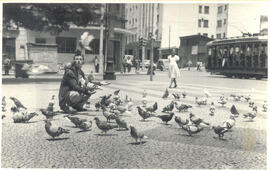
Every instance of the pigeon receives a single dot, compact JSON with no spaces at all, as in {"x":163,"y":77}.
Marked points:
{"x":104,"y":126}
{"x":191,"y":129}
{"x":54,"y":131}
{"x":236,"y":97}
{"x":207,"y":93}
{"x":184,"y":94}
{"x":85,"y":40}
{"x":169,"y":107}
{"x":219,"y":130}
{"x":152,"y":108}
{"x":4,"y":103}
{"x":222,"y":102}
{"x":166,"y":94}
{"x":197,"y":121}
{"x":18,"y":103}
{"x":212,"y":109}
{"x":247,"y":98}
{"x":121,"y":123}
{"x":48,"y":114}
{"x":176,"y":96}
{"x":3,"y":116}
{"x":182,"y":107}
{"x":265,"y":106}
{"x":166,"y":118}
{"x":108,"y":115}
{"x":116,"y":92}
{"x":255,"y":109}
{"x":144,"y":114}
{"x":251,"y":103}
{"x":85,"y":126}
{"x":14,"y":109}
{"x":234,"y":111}
{"x":136,"y":134}
{"x":20,"y":118}
{"x":229,"y":123}
{"x":130,"y":104}
{"x":144,"y":99}
{"x":75,"y":120}
{"x":200,"y":101}
{"x":51,"y":104}
{"x":180,"y":121}
{"x":249,"y":115}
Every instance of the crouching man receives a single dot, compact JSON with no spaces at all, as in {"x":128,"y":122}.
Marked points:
{"x":73,"y":92}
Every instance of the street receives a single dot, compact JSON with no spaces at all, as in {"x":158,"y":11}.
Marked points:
{"x":167,"y":146}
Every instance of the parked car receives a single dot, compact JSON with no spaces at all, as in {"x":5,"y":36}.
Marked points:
{"x":163,"y":64}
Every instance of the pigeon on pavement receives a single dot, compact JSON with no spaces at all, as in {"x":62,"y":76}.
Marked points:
{"x":75,"y":120}
{"x":54,"y":131}
{"x":144,"y":114}
{"x":169,"y":107}
{"x":220,"y":131}
{"x":234,"y":111}
{"x":166,"y":94}
{"x":50,"y":107}
{"x":152,"y":108}
{"x":104,"y":126}
{"x":180,"y":121}
{"x":20,"y":118}
{"x":121,"y":123}
{"x":136,"y":134}
{"x":18,"y":103}
{"x":166,"y":118}
{"x":48,"y":114}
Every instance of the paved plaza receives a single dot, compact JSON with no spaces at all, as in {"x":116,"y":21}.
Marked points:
{"x":167,"y":146}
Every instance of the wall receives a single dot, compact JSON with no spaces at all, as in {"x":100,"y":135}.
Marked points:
{"x":63,"y":57}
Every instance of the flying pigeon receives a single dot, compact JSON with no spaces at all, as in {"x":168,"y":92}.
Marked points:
{"x":85,"y":40}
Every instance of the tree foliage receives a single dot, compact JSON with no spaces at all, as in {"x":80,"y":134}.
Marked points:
{"x":52,"y":17}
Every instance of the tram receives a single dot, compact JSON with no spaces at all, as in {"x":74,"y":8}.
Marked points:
{"x":241,"y":57}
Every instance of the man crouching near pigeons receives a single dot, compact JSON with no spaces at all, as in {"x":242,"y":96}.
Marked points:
{"x":73,"y":92}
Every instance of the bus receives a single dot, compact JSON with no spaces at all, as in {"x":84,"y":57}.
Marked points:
{"x":240,"y":57}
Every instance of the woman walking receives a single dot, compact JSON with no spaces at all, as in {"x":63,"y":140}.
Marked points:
{"x":174,"y":71}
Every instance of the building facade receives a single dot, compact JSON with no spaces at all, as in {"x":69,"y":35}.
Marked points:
{"x":141,"y":20}
{"x":15,"y":42}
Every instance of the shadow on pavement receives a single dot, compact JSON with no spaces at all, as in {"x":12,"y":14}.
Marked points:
{"x":137,"y":143}
{"x":106,"y":134}
{"x":84,"y":131}
{"x":56,"y":139}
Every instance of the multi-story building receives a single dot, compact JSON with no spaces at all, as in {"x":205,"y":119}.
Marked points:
{"x":141,"y":20}
{"x":222,"y":20}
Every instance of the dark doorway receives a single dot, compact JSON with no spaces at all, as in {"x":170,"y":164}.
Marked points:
{"x":116,"y":55}
{"x":9,"y":48}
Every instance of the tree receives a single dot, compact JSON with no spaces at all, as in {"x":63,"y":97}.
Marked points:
{"x":53,"y":18}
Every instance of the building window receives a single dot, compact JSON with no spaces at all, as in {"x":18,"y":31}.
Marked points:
{"x":225,"y":7}
{"x":200,"y":9}
{"x":206,"y":9}
{"x":40,"y":40}
{"x":205,"y":23}
{"x":136,"y":7}
{"x":157,"y":18}
{"x":205,"y":34}
{"x":219,"y":23}
{"x":219,"y":9}
{"x":225,"y":21}
{"x":212,"y":36}
{"x":224,"y":35}
{"x":130,"y":9}
{"x":199,"y":23}
{"x":218,"y":36}
{"x":66,"y":44}
{"x":135,"y":20}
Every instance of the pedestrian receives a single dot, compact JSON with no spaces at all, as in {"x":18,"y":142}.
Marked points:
{"x":73,"y":92}
{"x":174,"y":71}
{"x":96,"y":62}
{"x":7,"y":65}
{"x":124,"y":63}
{"x":189,"y":64}
{"x":129,"y":63}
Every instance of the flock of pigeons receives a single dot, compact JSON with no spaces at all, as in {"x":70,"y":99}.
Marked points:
{"x":113,"y":107}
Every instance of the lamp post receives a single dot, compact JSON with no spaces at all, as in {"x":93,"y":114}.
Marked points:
{"x":150,"y":37}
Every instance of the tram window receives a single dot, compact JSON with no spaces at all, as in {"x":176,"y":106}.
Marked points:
{"x":248,"y":52}
{"x":209,"y":51}
{"x":256,"y":49}
{"x":243,"y":48}
{"x":265,"y":49}
{"x":231,"y":50}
